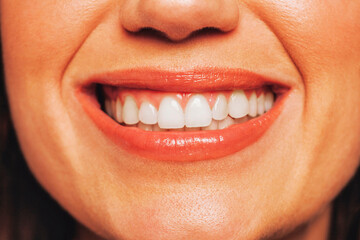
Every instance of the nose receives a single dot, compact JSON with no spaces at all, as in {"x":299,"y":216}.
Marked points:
{"x":177,"y":19}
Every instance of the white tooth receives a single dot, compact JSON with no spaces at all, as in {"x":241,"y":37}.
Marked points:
{"x":156,"y":128}
{"x":253,"y":105}
{"x":197,"y":112}
{"x":130,"y":113}
{"x":269,"y":101}
{"x":238,"y":104}
{"x":213,"y":126}
{"x":118,"y":111}
{"x":170,"y":114}
{"x":145,"y":127}
{"x":193,"y":129}
{"x":260,"y":104}
{"x":108,"y":108}
{"x":220,"y":108}
{"x":228,"y":121}
{"x":148,"y":113}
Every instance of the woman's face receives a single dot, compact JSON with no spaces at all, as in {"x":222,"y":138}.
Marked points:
{"x":261,"y":177}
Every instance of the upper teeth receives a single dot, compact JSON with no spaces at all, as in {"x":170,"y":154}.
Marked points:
{"x":198,"y":113}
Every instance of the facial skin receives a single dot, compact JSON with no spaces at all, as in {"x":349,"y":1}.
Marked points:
{"x":286,"y":179}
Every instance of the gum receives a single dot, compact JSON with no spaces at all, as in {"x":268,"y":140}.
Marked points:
{"x":155,"y":97}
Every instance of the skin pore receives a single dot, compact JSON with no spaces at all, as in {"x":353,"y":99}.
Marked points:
{"x":279,"y":187}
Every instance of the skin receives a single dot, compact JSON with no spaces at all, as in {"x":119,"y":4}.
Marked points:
{"x":280,"y":186}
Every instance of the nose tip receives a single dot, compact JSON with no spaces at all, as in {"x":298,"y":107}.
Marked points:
{"x":177,"y":19}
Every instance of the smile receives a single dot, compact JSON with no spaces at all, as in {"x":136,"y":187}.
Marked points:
{"x":182,"y":116}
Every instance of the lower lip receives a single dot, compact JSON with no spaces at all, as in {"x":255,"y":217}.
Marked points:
{"x":181,"y":146}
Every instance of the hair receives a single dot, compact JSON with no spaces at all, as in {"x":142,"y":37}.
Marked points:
{"x":27,"y":212}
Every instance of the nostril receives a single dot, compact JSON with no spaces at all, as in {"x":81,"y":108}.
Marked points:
{"x":207,"y":31}
{"x":179,"y":19}
{"x":149,"y":32}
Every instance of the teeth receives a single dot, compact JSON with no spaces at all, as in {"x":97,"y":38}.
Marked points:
{"x":220,"y":108}
{"x":269,"y":101}
{"x":213,"y":125}
{"x":170,"y":114}
{"x":145,"y":127}
{"x":197,"y":112}
{"x":118,"y":111}
{"x":156,"y":128}
{"x":197,"y":115}
{"x":238,"y":104}
{"x":108,"y":107}
{"x":241,"y":120}
{"x":130,"y":111}
{"x":253,"y":105}
{"x":193,"y":129}
{"x":148,"y":113}
{"x":228,"y":121}
{"x":260,"y":104}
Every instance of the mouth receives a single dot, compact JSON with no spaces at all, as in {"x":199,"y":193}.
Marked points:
{"x":182,"y":116}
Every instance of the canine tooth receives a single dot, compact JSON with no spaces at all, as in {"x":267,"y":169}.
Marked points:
{"x":108,"y":108}
{"x":145,"y":127}
{"x":238,"y":104}
{"x":148,"y":113}
{"x":213,"y":126}
{"x":228,"y":121}
{"x":220,"y":109}
{"x":260,"y":104}
{"x":118,"y":111}
{"x":269,"y":101}
{"x":197,"y":112}
{"x":130,"y":113}
{"x":253,"y":105}
{"x":170,"y":114}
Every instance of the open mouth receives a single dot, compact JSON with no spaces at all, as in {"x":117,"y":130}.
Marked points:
{"x":188,"y":116}
{"x":170,"y":111}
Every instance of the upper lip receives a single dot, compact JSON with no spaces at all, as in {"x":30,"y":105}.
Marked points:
{"x":197,"y":80}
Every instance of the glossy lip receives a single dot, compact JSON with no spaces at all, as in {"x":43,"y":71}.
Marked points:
{"x":182,"y":146}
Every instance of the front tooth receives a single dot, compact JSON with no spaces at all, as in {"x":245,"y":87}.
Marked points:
{"x":197,"y":112}
{"x":118,"y":111}
{"x":170,"y":114}
{"x":269,"y":101}
{"x":145,"y":127}
{"x":108,"y":108}
{"x":213,"y":126}
{"x":130,"y":113}
{"x":238,"y":104}
{"x":260,"y":104}
{"x":228,"y":121}
{"x":220,"y":108}
{"x":148,"y":113}
{"x":253,"y":105}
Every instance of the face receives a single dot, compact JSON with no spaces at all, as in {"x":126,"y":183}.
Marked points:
{"x":87,"y":80}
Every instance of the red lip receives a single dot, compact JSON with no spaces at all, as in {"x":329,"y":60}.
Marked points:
{"x":182,"y":146}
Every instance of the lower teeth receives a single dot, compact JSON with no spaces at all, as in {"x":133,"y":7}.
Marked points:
{"x":214,"y":125}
